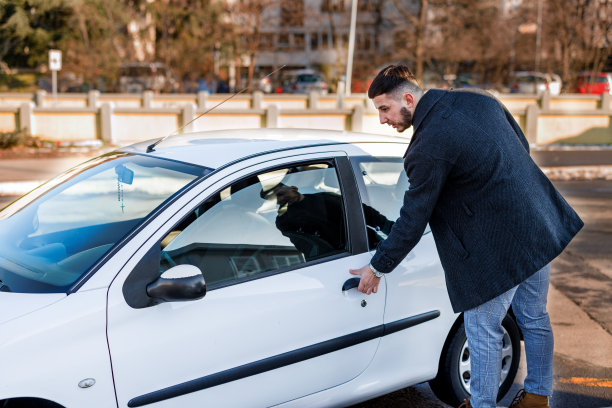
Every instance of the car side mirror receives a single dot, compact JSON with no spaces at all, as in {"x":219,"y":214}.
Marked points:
{"x":179,"y":283}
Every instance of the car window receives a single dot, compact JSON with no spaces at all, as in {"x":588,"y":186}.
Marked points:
{"x":53,"y":235}
{"x":385,"y":182}
{"x":261,"y":224}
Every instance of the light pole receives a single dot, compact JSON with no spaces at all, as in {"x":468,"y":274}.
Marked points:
{"x":351,"y":48}
{"x":538,"y":36}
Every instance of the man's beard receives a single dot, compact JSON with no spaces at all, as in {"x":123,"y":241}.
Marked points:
{"x":406,"y":120}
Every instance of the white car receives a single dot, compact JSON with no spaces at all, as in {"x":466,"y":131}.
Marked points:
{"x":530,"y":82}
{"x":213,"y":269}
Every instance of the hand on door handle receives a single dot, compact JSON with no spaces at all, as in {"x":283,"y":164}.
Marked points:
{"x":351,"y":284}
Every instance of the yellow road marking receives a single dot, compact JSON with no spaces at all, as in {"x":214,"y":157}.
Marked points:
{"x":588,"y":382}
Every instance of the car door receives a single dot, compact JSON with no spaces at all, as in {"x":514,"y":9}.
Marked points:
{"x":281,"y":318}
{"x":416,"y":289}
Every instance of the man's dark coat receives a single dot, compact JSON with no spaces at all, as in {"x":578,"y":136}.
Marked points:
{"x":495,"y":217}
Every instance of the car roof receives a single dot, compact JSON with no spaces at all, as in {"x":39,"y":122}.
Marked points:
{"x":142,"y":64}
{"x":214,"y":149}
{"x":530,"y":73}
{"x":592,"y":73}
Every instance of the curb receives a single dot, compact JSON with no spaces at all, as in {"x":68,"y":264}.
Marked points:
{"x":576,"y":334}
{"x":569,"y":173}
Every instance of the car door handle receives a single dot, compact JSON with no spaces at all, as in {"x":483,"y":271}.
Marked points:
{"x":350,"y":284}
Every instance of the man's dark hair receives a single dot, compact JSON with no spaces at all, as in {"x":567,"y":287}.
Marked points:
{"x":390,"y":78}
{"x":268,"y":193}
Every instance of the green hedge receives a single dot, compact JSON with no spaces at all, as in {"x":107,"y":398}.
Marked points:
{"x":20,"y":138}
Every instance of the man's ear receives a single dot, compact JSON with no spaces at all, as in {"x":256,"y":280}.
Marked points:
{"x":408,"y":99}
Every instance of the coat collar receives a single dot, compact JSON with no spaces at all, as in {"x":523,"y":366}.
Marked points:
{"x":427,"y":101}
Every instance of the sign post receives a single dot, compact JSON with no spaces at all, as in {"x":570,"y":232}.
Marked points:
{"x":351,"y":48}
{"x":55,"y":64}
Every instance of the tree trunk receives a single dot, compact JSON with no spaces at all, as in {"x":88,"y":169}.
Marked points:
{"x":418,"y":48}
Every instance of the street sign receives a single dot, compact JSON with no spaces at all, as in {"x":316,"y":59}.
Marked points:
{"x":55,"y":64}
{"x":55,"y":60}
{"x":528,"y":28}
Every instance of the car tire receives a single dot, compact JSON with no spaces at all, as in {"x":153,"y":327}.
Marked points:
{"x":451,"y":385}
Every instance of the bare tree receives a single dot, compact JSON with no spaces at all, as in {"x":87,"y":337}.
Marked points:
{"x":187,"y":32}
{"x":579,"y":34}
{"x":418,"y":22}
{"x":248,"y":17}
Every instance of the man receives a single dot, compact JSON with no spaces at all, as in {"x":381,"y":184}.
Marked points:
{"x":311,"y":221}
{"x":496,"y":219}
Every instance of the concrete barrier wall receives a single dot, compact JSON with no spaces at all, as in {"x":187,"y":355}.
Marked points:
{"x":149,"y":99}
{"x":8,"y":120}
{"x":120,"y":119}
{"x":132,"y":125}
{"x":14,"y":100}
{"x":65,"y":125}
{"x":577,"y":129}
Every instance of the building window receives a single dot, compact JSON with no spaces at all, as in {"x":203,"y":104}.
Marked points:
{"x":266,"y":42}
{"x":366,"y":5}
{"x":299,"y":41}
{"x":292,"y":13}
{"x":332,"y":5}
{"x":283,"y":40}
{"x":314,"y":40}
{"x":324,"y":41}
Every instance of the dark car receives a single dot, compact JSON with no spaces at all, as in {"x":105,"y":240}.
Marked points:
{"x":304,"y":81}
{"x":135,"y":77}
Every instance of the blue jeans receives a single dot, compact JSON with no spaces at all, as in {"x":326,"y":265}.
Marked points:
{"x":484,"y":333}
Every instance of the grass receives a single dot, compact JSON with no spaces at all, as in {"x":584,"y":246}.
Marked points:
{"x":18,"y":82}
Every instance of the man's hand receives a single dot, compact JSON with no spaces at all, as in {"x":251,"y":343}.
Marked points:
{"x":368,"y":283}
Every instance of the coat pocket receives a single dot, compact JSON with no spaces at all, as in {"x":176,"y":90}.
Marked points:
{"x":451,"y":244}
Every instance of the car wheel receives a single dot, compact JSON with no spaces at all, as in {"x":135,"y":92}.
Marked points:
{"x":452,"y":384}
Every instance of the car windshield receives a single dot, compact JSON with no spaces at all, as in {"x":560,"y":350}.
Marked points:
{"x":53,"y":235}
{"x":595,"y":79}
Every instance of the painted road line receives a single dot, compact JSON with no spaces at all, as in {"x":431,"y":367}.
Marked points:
{"x":588,"y":382}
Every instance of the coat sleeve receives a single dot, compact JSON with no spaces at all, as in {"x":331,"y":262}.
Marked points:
{"x":427,"y":177}
{"x":517,"y":129}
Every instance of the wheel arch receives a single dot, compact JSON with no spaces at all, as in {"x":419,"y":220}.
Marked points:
{"x":29,"y":402}
{"x":455,"y":327}
{"x":451,"y":333}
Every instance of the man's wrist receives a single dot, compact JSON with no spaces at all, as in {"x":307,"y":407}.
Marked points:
{"x":375,"y":272}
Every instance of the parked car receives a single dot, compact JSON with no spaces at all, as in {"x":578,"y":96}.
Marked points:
{"x":264,"y":85}
{"x":594,"y":83}
{"x":166,"y":275}
{"x":531,"y":82}
{"x":303,"y":81}
{"x":136,"y":77}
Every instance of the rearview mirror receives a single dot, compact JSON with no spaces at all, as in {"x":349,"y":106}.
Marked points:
{"x":179,"y":283}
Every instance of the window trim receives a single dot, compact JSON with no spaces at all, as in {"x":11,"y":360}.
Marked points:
{"x":363,"y":190}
